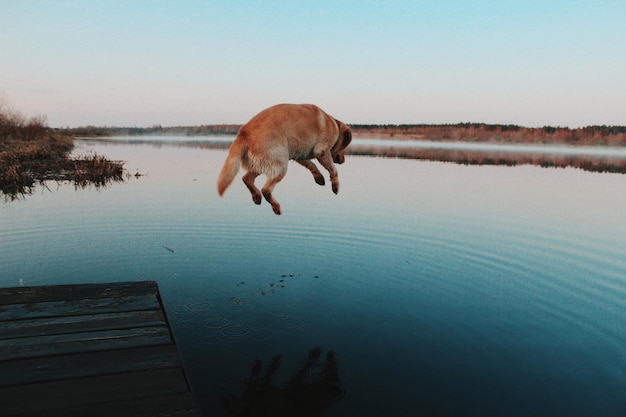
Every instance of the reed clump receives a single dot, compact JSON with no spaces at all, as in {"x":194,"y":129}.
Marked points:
{"x":32,"y":153}
{"x":97,"y":170}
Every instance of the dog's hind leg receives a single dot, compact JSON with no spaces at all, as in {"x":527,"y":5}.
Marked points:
{"x":269,"y":187}
{"x":317,"y":175}
{"x":248,"y":179}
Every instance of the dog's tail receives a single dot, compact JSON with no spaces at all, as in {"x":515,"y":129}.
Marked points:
{"x":232,"y":163}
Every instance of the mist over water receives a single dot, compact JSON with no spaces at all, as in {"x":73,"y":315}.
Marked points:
{"x":442,"y":289}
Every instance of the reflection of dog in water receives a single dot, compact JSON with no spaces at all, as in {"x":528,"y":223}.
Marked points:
{"x":281,"y":133}
{"x":309,"y":392}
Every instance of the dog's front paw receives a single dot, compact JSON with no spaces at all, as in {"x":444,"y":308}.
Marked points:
{"x":320,"y":180}
{"x":335,"y":187}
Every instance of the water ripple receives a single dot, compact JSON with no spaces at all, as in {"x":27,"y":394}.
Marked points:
{"x":234,"y":332}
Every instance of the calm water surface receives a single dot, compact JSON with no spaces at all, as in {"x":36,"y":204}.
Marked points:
{"x":442,"y":289}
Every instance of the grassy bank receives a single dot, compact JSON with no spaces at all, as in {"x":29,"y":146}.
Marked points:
{"x":31,"y":154}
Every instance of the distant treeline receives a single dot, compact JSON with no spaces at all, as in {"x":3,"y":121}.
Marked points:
{"x":461,"y":132}
{"x":202,"y":130}
{"x":482,"y":132}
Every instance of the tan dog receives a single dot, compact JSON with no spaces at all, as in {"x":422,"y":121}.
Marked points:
{"x":270,"y":139}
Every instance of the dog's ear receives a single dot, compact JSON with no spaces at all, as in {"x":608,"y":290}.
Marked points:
{"x":347,"y":137}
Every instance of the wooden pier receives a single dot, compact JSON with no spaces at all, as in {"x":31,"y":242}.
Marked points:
{"x":90,"y":350}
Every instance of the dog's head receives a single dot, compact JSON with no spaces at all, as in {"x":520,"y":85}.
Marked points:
{"x":343,"y":140}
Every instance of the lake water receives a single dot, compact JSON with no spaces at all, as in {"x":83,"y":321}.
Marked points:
{"x":442,"y":289}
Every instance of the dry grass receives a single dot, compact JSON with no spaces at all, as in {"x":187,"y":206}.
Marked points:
{"x":31,"y":154}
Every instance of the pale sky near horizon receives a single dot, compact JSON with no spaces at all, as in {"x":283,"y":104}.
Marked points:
{"x":141,"y":63}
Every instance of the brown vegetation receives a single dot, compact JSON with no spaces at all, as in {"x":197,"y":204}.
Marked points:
{"x":32,"y":153}
{"x":481,"y":132}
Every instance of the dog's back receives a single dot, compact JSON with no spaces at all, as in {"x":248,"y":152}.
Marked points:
{"x":283,"y":132}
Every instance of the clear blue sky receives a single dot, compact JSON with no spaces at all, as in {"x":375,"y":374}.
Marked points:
{"x":139,"y":63}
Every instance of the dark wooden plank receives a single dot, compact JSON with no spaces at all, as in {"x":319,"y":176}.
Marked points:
{"x":81,"y":323}
{"x":83,"y":342}
{"x":51,"y":368}
{"x":76,"y":307}
{"x":179,"y":405}
{"x":93,"y":391}
{"x":34,"y":294}
{"x":90,"y":349}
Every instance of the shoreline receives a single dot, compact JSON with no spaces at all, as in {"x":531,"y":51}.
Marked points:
{"x":588,"y":158}
{"x":462,"y":132}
